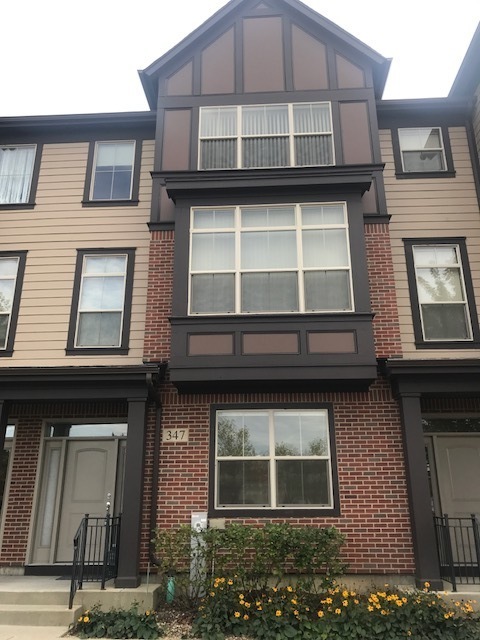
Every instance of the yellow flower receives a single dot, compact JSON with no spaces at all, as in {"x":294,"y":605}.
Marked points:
{"x":320,"y":614}
{"x":258,"y":603}
{"x":427,"y":585}
{"x":86,"y":619}
{"x":338,"y":611}
{"x":295,"y":613}
{"x":259,"y":608}
{"x":80,"y":619}
{"x":356,"y":601}
{"x":247,"y":604}
{"x":383,"y":612}
{"x":404,"y":600}
{"x":245,"y":617}
{"x":274,"y":589}
{"x":147,"y":613}
{"x":237,"y":614}
{"x":345,"y":603}
{"x":293,"y":601}
{"x":212,"y":593}
{"x":370,"y":608}
{"x":241,"y":597}
{"x":345,"y":594}
{"x":328,"y":600}
{"x":409,"y":633}
{"x":289,"y":589}
{"x":230,"y":582}
{"x":278,"y":613}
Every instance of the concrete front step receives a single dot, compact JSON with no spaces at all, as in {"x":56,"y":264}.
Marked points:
{"x":38,"y":615}
{"x":59,"y":598}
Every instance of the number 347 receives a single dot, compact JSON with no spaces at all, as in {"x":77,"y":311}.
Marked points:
{"x":175,"y":435}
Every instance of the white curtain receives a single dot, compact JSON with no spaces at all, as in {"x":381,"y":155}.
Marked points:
{"x":16,"y":169}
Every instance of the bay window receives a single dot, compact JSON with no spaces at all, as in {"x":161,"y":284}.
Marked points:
{"x":270,"y":259}
{"x":277,"y":135}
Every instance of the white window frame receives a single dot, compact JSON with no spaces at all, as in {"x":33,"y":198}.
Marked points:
{"x":299,"y":269}
{"x":440,"y":149}
{"x":272,"y":459}
{"x":94,"y":169}
{"x":459,"y":267}
{"x":9,"y":313}
{"x":26,"y":198}
{"x":93,"y":310}
{"x":239,"y":136}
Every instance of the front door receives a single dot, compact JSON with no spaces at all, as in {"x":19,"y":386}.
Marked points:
{"x":90,"y":475}
{"x":458,"y":474}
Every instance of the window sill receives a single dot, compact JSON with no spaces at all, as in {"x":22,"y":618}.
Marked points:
{"x":97,"y":351}
{"x":412,"y":175}
{"x":448,"y":345}
{"x":6,"y":353}
{"x":275,"y":513}
{"x":110,"y":203}
{"x":17,"y":206}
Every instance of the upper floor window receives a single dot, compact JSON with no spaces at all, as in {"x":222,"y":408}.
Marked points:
{"x":102,"y":301}
{"x":113,"y":170}
{"x":275,"y":135}
{"x":270,"y":259}
{"x":17,"y":165}
{"x":442,"y":300}
{"x":12,"y":266}
{"x":273,"y":459}
{"x":422,"y":150}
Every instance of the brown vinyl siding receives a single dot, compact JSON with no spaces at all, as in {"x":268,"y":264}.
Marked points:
{"x":263,"y":55}
{"x":181,"y":82}
{"x":51,"y":233}
{"x":355,"y":130}
{"x":176,"y":140}
{"x":431,"y":208}
{"x":309,"y":58}
{"x":218,"y":65}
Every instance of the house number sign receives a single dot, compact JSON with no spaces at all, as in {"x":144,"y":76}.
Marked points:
{"x":175,"y":436}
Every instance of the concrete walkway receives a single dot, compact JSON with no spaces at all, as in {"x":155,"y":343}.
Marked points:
{"x":15,"y":632}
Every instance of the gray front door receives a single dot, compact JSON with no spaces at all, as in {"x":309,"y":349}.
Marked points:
{"x":458,"y":473}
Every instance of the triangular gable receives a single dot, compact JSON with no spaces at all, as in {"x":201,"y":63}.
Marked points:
{"x":224,"y":19}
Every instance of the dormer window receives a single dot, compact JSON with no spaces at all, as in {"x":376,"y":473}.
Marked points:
{"x":263,"y":136}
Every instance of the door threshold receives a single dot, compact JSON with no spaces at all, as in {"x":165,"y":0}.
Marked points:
{"x":48,"y":570}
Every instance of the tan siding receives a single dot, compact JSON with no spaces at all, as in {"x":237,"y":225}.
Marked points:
{"x":429,"y":208}
{"x":51,"y":233}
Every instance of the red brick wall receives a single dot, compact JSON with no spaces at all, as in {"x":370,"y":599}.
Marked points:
{"x":25,"y":462}
{"x":382,"y":291}
{"x":374,"y":510}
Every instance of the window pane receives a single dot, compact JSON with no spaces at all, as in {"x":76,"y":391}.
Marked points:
{"x":313,"y":150}
{"x":303,"y":482}
{"x":105,"y":264}
{"x":265,"y":120}
{"x":213,"y":218}
{"x":8,"y":267}
{"x":439,"y":285}
{"x":115,"y":154}
{"x":213,"y":251}
{"x":218,"y":154}
{"x":99,"y":329}
{"x":325,"y":248}
{"x":445,"y":322}
{"x":310,"y":118}
{"x":269,"y":249}
{"x":269,"y":292}
{"x":216,"y":122}
{"x":16,"y":169}
{"x":317,"y":214}
{"x":113,"y":171}
{"x":243,"y":483}
{"x":423,"y":161}
{"x":268,"y":217}
{"x":102,"y":293}
{"x":435,"y":255}
{"x":416,"y":139}
{"x":7,"y":290}
{"x":213,"y":293}
{"x":242,"y":435}
{"x":265,"y":152}
{"x":3,"y":330}
{"x":301,"y":434}
{"x":327,"y":290}
{"x":121,"y":184}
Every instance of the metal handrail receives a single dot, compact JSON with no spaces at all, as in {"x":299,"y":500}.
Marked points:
{"x":95,"y":552}
{"x":458,"y":545}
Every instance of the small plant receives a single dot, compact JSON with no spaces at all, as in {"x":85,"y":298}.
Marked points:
{"x":117,"y":623}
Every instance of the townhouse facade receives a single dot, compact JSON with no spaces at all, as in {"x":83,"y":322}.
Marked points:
{"x":255,"y":302}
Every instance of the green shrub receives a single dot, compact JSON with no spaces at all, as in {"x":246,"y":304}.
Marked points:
{"x":117,"y":623}
{"x":339,"y":614}
{"x":257,"y":556}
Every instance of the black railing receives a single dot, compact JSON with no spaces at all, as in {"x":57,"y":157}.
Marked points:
{"x":95,"y":552}
{"x":458,"y":543}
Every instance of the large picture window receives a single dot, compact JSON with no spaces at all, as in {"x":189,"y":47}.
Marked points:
{"x":277,"y":135}
{"x":16,"y":172}
{"x":101,"y":301}
{"x":270,"y":259}
{"x":273,"y":459}
{"x":441,"y":287}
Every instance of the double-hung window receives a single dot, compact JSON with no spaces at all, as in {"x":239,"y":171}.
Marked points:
{"x":12,"y":267}
{"x":102,"y":300}
{"x":275,"y":135}
{"x":273,"y":459}
{"x":113,"y":170}
{"x":16,"y":173}
{"x":440,"y":287}
{"x":422,"y":150}
{"x":270,"y":259}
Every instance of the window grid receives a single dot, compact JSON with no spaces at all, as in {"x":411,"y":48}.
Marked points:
{"x":300,"y":269}
{"x":272,"y":463}
{"x":86,"y":310}
{"x":443,"y":303}
{"x":113,"y":171}
{"x":425,"y":150}
{"x":292,"y":135}
{"x":6,"y":309}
